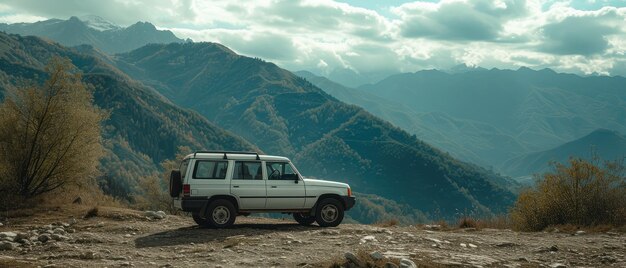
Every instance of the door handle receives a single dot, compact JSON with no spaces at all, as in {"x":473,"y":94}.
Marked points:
{"x":274,"y":186}
{"x":235,"y":186}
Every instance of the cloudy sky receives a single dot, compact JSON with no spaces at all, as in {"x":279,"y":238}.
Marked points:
{"x":579,"y":36}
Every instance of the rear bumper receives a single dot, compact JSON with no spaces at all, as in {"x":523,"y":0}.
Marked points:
{"x":349,"y":201}
{"x":190,"y":204}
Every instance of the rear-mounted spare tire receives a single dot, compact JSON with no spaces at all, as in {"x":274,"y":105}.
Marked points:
{"x":176,"y":183}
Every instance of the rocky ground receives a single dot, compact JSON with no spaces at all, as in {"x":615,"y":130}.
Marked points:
{"x":61,"y":237}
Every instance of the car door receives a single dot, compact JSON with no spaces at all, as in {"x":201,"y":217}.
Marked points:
{"x":285,"y":190}
{"x":208,"y":178}
{"x":248,"y":184}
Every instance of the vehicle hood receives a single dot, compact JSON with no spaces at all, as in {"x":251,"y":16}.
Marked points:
{"x":314,"y":182}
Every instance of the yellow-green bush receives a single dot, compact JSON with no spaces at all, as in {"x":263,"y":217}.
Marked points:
{"x":583,"y":193}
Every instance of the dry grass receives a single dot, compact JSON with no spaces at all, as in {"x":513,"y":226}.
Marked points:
{"x":497,"y":222}
{"x":91,"y":213}
{"x":583,"y":193}
{"x":364,"y":256}
{"x":387,"y":223}
{"x":467,"y":222}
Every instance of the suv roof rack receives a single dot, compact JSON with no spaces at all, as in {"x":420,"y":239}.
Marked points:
{"x":227,"y":152}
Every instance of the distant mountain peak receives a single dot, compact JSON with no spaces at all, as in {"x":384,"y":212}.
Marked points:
{"x":143,"y":25}
{"x":98,"y":23}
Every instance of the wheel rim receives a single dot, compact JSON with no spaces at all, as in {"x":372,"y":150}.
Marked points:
{"x":221,"y":215}
{"x":329,"y":213}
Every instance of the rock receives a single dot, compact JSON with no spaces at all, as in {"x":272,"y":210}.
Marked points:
{"x":20,"y":236}
{"x":58,"y":237}
{"x":558,"y":265}
{"x":368,"y":238}
{"x":554,"y":248}
{"x":463,"y":245}
{"x":376,"y":255}
{"x":100,"y":224}
{"x":11,"y":235}
{"x":434,"y":227}
{"x":472,"y":245}
{"x":60,"y":231}
{"x":506,"y":245}
{"x":390,"y":265}
{"x":88,"y":255}
{"x":7,"y":245}
{"x":433,"y":240}
{"x":24,"y":241}
{"x":43,"y":238}
{"x":406,"y":263}
{"x":354,"y":259}
{"x":581,"y":232}
{"x":128,"y":236}
{"x":1,"y":224}
{"x":155,"y":214}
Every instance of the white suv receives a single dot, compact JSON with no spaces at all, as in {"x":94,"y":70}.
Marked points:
{"x":216,"y":186}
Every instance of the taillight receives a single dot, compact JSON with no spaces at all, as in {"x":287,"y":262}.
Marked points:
{"x":349,"y":192}
{"x":186,"y":190}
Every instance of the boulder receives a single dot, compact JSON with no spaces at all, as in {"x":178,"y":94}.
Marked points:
{"x":43,"y":238}
{"x":376,"y":256}
{"x":354,"y":259}
{"x":155,"y":214}
{"x":406,"y":263}
{"x":5,"y":245}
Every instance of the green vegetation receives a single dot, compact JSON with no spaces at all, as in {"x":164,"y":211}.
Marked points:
{"x":286,"y":115}
{"x":49,"y":135}
{"x":583,"y":193}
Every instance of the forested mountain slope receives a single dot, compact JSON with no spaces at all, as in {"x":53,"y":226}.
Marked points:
{"x":285,"y":114}
{"x":143,"y":128}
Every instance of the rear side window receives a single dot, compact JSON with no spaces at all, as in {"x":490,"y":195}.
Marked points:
{"x":212,"y":170}
{"x":248,"y":171}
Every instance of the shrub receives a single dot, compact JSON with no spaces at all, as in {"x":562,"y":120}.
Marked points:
{"x":152,"y":192}
{"x":467,"y":222}
{"x":583,"y":193}
{"x":49,"y":135}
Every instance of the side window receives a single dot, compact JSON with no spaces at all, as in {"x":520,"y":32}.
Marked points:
{"x":280,"y":171}
{"x":248,"y":171}
{"x":213,"y":170}
{"x":183,"y":168}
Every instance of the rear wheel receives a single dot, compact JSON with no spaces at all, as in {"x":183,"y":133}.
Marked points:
{"x":304,"y":218}
{"x":329,"y":212}
{"x":221,"y":213}
{"x":199,"y":219}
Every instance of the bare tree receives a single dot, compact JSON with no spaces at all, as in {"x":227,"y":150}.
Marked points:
{"x":50,"y":134}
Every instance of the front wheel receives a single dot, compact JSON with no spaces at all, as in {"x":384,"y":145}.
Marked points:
{"x":329,"y":212}
{"x":221,"y":213}
{"x":304,"y":218}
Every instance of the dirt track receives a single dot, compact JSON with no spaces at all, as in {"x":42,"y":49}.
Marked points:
{"x":119,"y":237}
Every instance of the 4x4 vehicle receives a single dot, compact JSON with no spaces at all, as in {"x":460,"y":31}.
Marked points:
{"x":217,"y":186}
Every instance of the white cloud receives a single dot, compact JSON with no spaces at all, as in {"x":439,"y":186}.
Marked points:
{"x":322,"y":35}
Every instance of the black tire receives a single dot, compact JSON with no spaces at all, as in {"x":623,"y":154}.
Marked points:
{"x":329,"y":212}
{"x":200,"y":220}
{"x":176,"y":183}
{"x":304,"y":218}
{"x":221,"y":213}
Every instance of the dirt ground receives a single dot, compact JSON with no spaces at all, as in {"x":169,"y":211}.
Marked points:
{"x":125,"y":238}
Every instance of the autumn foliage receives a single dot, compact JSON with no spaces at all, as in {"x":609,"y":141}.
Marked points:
{"x":582,"y":193}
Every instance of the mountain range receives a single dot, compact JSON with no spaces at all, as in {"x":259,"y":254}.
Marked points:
{"x":491,"y":116}
{"x":143,"y":128}
{"x":602,"y":143}
{"x":94,"y":31}
{"x":243,"y":103}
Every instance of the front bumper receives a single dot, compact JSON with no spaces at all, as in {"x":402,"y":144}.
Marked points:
{"x":349,"y":201}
